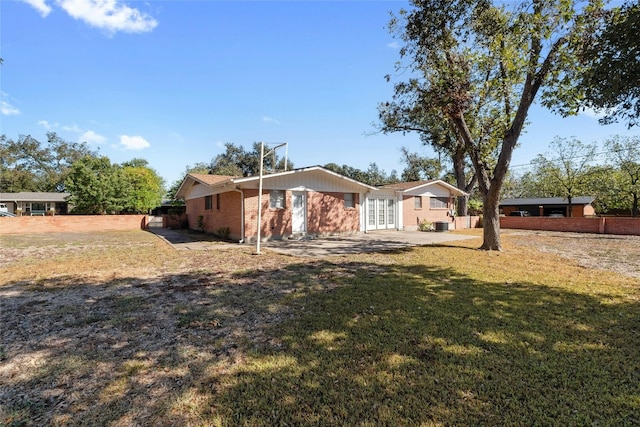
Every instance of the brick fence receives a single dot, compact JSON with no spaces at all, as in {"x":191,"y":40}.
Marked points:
{"x":71,"y":223}
{"x":601,"y":225}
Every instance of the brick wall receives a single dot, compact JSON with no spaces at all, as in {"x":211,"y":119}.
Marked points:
{"x":412,"y":217}
{"x":464,"y":222}
{"x":602,"y":225}
{"x":218,"y":219}
{"x":71,"y":223}
{"x":328,"y":215}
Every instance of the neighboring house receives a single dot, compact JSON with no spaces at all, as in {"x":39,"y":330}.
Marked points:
{"x":430,"y":201}
{"x":313,"y":201}
{"x":550,"y":206}
{"x":35,"y":203}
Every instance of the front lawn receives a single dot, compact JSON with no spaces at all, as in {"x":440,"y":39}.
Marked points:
{"x":119,"y":329}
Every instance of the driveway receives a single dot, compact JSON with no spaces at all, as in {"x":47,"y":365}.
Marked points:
{"x":377,"y":241}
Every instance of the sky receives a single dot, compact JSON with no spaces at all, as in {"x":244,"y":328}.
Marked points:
{"x":172,"y":81}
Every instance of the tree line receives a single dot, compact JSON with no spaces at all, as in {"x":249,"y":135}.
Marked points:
{"x":96,"y":185}
{"x":572,"y":170}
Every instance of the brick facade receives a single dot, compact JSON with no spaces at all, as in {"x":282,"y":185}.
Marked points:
{"x":71,"y":223}
{"x":223,"y":218}
{"x":412,"y":216}
{"x":326,"y":214}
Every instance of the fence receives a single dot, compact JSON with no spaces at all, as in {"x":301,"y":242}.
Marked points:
{"x":600,"y":225}
{"x":71,"y":223}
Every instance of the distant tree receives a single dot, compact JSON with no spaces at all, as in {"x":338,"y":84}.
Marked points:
{"x":28,"y":165}
{"x":566,"y":173}
{"x":611,"y":81}
{"x":97,"y":187}
{"x":624,"y":156}
{"x":147,"y":187}
{"x":607,"y":184}
{"x":236,"y":161}
{"x":372,"y":176}
{"x":481,"y":64}
{"x":419,"y":167}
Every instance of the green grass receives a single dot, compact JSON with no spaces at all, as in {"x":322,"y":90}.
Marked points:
{"x":424,"y":345}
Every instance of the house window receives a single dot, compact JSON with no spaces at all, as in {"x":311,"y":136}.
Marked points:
{"x":217,"y":201}
{"x":207,"y":202}
{"x":417,"y":202}
{"x":349,"y":199}
{"x":276,"y":199}
{"x":439,"y":202}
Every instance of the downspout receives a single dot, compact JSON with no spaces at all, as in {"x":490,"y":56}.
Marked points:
{"x":241,"y":213}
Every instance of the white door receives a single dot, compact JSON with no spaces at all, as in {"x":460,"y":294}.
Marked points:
{"x":382,"y":214}
{"x":299,"y":212}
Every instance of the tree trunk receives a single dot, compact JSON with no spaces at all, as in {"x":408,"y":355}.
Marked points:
{"x":634,"y":208}
{"x":491,"y":223}
{"x":461,"y":179}
{"x":463,"y":205}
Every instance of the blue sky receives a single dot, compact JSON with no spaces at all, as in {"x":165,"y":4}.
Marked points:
{"x":172,"y":81}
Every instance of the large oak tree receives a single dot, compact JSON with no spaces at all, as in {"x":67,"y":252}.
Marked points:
{"x":480,"y":66}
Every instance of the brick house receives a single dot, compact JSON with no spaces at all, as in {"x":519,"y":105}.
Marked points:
{"x":313,"y":200}
{"x":310,"y":200}
{"x":432,"y":201}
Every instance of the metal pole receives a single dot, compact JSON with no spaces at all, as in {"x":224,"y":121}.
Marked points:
{"x":260,"y":200}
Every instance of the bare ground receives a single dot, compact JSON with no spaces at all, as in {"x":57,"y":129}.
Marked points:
{"x":114,"y":329}
{"x":620,"y":254}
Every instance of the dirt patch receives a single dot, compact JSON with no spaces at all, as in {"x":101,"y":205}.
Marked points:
{"x":620,"y":254}
{"x":89,"y":319}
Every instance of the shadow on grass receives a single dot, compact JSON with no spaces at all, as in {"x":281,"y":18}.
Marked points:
{"x":317,"y":343}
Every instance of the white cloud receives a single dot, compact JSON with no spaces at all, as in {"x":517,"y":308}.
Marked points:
{"x":40,"y":5}
{"x":134,"y":142}
{"x":590,"y":112}
{"x":110,"y":15}
{"x":5,"y":106}
{"x":45,"y":124}
{"x":91,"y":137}
{"x":8,"y":109}
{"x":177,"y":136}
{"x":393,"y":45}
{"x":267,"y":119}
{"x":72,"y":128}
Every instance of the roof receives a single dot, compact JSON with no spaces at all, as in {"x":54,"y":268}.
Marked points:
{"x":408,"y":185}
{"x":27,"y":196}
{"x":413,"y":185}
{"x":211,"y":179}
{"x":541,"y":201}
{"x":220,"y":181}
{"x":302,"y":170}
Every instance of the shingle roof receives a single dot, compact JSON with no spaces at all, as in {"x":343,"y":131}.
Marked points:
{"x":407,"y":185}
{"x":211,"y":179}
{"x":26,"y":196}
{"x":541,"y":201}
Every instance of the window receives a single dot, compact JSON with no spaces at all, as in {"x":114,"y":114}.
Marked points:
{"x":276,"y":199}
{"x":217,"y":201}
{"x":349,"y":200}
{"x":439,"y":202}
{"x":417,"y":202}
{"x":207,"y":202}
{"x":372,"y":212}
